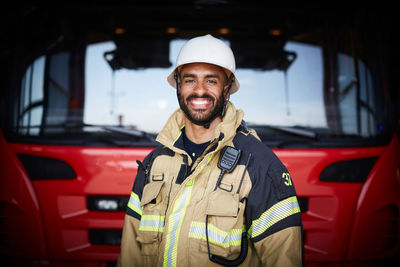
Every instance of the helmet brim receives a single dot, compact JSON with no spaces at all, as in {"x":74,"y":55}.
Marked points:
{"x":172,"y":82}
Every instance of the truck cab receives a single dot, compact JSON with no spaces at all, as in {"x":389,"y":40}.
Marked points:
{"x":84,"y":95}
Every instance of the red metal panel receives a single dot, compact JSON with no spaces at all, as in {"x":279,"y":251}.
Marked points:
{"x":376,"y":229}
{"x":331,"y":206}
{"x":100,"y":171}
{"x":22,"y":234}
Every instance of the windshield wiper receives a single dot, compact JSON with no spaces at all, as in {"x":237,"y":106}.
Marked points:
{"x":122,"y":130}
{"x":109,"y":128}
{"x":290,"y":130}
{"x":296,"y":131}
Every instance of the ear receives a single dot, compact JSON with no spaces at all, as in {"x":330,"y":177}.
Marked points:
{"x":178,"y":84}
{"x":226,"y":92}
{"x":177,"y":80}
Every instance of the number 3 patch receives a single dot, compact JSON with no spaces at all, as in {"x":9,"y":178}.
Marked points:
{"x":286,"y":177}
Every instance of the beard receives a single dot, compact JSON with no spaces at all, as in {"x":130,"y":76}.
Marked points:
{"x":199,"y":116}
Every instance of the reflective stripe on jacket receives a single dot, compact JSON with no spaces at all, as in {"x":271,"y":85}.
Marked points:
{"x":165,"y":223}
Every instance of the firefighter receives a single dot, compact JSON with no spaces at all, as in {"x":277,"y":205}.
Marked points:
{"x":211,"y":193}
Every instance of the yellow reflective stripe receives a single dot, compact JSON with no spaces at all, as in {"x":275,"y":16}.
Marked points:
{"x":174,"y":225}
{"x":216,"y":229}
{"x":151,"y":217}
{"x":180,"y":133}
{"x":134,"y":203}
{"x":276,"y":213}
{"x":208,"y":159}
{"x":190,"y":183}
{"x":151,"y":229}
{"x":216,"y":235}
{"x":153,"y":223}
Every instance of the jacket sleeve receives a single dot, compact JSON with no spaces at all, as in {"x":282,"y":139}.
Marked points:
{"x":283,"y":248}
{"x":130,"y":254}
{"x":273,"y":216}
{"x":130,"y":249}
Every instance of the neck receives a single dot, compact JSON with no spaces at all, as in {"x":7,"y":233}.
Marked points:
{"x":199,"y":134}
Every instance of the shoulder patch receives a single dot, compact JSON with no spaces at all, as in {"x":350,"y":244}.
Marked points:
{"x":281,"y":180}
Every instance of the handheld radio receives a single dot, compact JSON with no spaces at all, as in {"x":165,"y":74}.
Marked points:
{"x":227,"y":162}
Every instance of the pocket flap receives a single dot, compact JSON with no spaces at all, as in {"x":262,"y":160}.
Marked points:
{"x":150,"y":192}
{"x":222,"y":203}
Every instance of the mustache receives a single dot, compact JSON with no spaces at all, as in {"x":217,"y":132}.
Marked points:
{"x":194,"y":96}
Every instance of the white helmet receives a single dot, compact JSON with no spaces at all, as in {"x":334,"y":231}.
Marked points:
{"x":206,"y":49}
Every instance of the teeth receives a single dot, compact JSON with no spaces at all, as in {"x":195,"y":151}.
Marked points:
{"x":200,"y":102}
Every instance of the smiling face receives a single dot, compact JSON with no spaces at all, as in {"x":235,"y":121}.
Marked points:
{"x":202,"y":91}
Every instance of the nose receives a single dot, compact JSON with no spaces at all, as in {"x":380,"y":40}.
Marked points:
{"x":200,"y":88}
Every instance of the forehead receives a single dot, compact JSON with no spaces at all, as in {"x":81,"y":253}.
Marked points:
{"x":202,"y":69}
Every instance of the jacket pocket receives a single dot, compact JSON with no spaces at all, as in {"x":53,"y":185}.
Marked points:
{"x":225,"y":224}
{"x":152,"y":221}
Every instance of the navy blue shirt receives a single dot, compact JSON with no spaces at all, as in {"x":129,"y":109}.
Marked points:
{"x":193,"y":149}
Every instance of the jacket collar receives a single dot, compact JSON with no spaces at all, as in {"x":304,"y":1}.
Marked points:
{"x":171,"y":132}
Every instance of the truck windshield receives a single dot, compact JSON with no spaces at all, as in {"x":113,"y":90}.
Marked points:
{"x":143,"y":98}
{"x":295,"y":88}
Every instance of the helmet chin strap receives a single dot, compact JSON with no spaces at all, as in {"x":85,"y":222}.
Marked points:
{"x":208,"y":122}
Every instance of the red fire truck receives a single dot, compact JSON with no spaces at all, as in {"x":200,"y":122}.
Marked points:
{"x":84,"y":94}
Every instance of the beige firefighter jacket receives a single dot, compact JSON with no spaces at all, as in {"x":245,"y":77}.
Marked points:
{"x":172,"y":197}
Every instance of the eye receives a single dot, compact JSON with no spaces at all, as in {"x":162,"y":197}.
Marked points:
{"x":211,"y":81}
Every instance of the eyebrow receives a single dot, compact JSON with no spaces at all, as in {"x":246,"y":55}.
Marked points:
{"x":190,"y":75}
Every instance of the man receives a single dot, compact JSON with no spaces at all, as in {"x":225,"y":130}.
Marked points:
{"x":211,"y":194}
